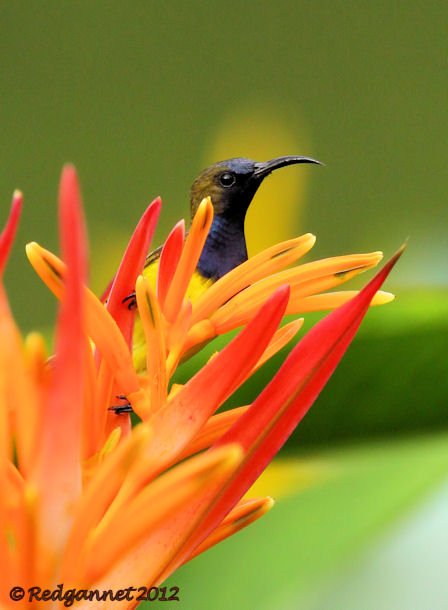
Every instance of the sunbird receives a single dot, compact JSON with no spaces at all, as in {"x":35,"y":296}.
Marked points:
{"x":231,"y":185}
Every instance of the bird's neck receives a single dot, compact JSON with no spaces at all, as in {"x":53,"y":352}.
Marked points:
{"x":224,"y":249}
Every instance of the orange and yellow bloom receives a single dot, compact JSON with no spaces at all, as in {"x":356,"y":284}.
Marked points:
{"x":89,"y":501}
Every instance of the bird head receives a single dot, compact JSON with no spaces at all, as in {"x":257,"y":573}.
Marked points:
{"x":232,"y":184}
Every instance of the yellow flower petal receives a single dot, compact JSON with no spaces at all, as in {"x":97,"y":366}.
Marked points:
{"x":178,"y":336}
{"x":151,"y":318}
{"x":332,"y":300}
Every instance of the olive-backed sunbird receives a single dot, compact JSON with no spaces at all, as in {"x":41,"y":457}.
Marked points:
{"x":231,"y":185}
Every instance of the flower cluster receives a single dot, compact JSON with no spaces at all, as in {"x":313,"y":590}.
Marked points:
{"x":88,"y":500}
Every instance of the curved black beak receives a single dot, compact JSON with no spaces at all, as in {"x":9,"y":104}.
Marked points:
{"x":265,"y":168}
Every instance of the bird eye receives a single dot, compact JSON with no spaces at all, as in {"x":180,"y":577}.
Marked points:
{"x":227,"y":179}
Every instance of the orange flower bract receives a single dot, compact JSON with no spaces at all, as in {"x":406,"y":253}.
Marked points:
{"x":91,"y":502}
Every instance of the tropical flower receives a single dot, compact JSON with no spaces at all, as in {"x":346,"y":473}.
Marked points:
{"x":89,"y":501}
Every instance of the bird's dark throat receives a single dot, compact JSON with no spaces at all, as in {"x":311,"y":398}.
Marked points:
{"x":224,"y":249}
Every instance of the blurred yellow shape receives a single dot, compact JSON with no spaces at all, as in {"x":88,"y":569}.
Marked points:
{"x":106,"y":250}
{"x":288,"y":476}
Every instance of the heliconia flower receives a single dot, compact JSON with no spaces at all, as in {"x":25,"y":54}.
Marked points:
{"x":89,"y":501}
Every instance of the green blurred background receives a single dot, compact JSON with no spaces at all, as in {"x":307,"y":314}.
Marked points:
{"x":141,"y":96}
